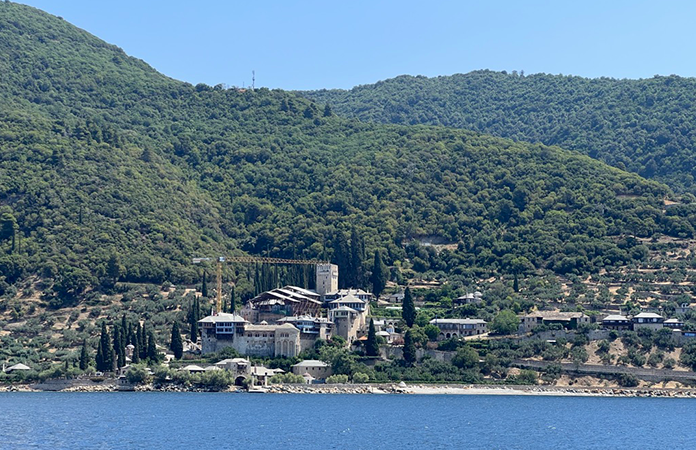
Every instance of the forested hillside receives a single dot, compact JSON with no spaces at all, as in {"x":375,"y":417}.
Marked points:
{"x":110,"y":171}
{"x":644,"y":126}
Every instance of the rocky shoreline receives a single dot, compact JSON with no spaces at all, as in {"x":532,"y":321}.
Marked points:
{"x":392,"y":388}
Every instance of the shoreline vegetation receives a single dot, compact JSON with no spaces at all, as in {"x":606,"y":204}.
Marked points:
{"x":383,"y":388}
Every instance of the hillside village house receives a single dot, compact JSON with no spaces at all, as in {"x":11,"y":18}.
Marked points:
{"x":317,"y":369}
{"x":452,"y":328}
{"x":674,"y":324}
{"x":616,"y":322}
{"x":648,"y":320}
{"x":472,"y":298}
{"x":569,"y":320}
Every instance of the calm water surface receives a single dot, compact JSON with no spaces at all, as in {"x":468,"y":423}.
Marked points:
{"x":257,"y":421}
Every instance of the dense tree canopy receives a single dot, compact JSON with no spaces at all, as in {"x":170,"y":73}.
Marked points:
{"x":114,"y":172}
{"x":646,"y":126}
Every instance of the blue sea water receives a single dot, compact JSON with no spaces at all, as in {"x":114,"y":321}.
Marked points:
{"x":262,"y":421}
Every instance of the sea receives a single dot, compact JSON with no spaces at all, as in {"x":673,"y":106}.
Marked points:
{"x":197,"y":421}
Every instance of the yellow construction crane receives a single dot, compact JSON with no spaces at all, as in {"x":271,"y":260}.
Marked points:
{"x":252,"y":260}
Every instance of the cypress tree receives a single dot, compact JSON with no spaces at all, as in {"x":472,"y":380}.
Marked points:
{"x":107,"y":362}
{"x":152,"y":354}
{"x":124,"y":330}
{"x":136,"y":351}
{"x":204,"y":289}
{"x":142,"y":341}
{"x":357,"y":256}
{"x":371,"y":345}
{"x":119,"y":351}
{"x":177,"y":345}
{"x":379,"y":275}
{"x":233,"y":300}
{"x":84,"y":356}
{"x":193,"y":320}
{"x":409,"y":348}
{"x":100,"y":357}
{"x":408,"y":310}
{"x":516,"y":284}
{"x":341,"y":257}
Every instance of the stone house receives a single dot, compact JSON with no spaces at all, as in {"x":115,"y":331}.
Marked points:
{"x":568,"y":320}
{"x":453,"y":328}
{"x":648,"y":320}
{"x":317,"y":369}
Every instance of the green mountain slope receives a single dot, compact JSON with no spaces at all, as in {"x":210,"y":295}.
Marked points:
{"x":644,"y":126}
{"x":113,"y":171}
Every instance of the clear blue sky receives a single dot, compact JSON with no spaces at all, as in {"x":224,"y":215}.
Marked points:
{"x":340,"y":44}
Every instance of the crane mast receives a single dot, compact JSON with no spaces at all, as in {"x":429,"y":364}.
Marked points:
{"x":248,"y":260}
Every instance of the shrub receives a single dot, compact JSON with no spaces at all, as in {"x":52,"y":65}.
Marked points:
{"x":337,"y":379}
{"x":360,"y":377}
{"x":215,"y":380}
{"x":287,"y":378}
{"x":138,"y":374}
{"x":525,"y":377}
{"x":627,"y":380}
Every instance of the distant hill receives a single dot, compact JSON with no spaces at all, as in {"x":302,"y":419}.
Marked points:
{"x":112,"y":171}
{"x":644,"y":126}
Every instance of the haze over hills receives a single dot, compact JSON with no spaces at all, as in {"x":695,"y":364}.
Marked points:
{"x":106,"y":162}
{"x":645,"y":126}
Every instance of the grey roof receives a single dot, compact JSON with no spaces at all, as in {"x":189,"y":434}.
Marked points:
{"x":304,"y":292}
{"x":615,"y":317}
{"x":674,"y":321}
{"x":311,"y":363}
{"x":647,"y":315}
{"x":350,"y":298}
{"x":294,"y":319}
{"x":343,"y":308}
{"x":262,"y":371}
{"x":232,"y":361}
{"x":223,"y":317}
{"x":290,"y":294}
{"x":557,"y":315}
{"x":18,"y":366}
{"x":459,"y":321}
